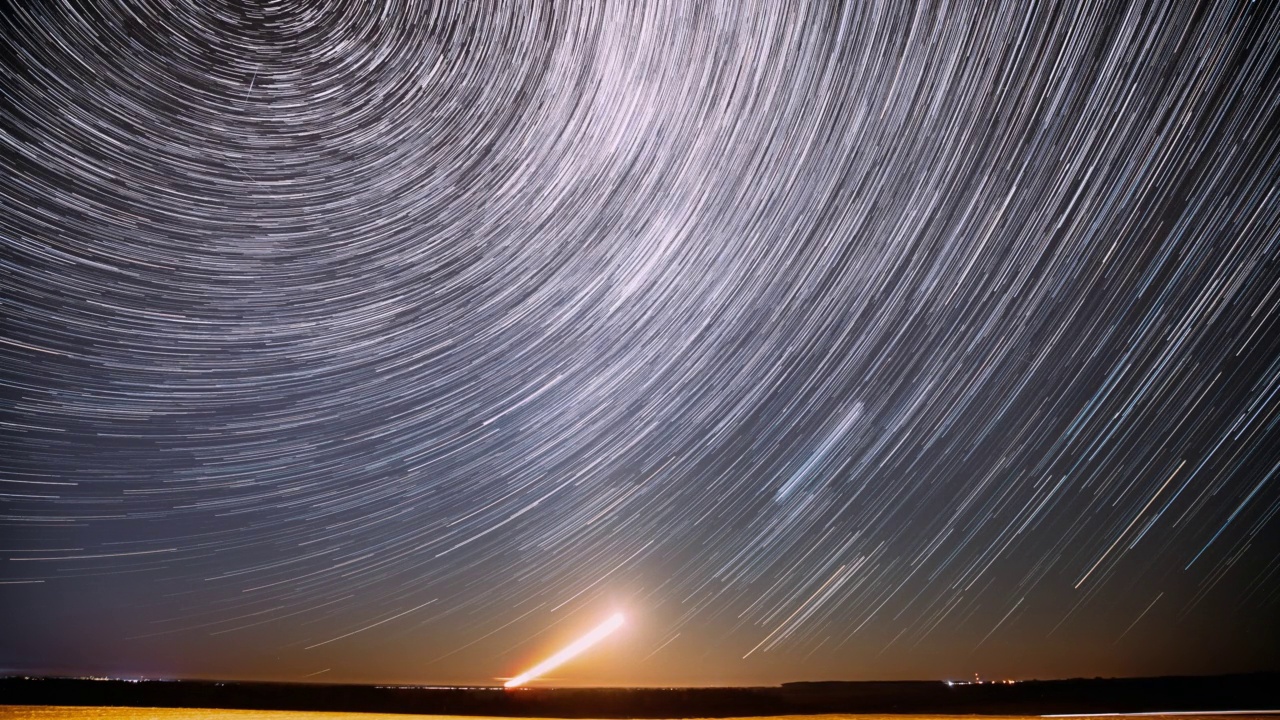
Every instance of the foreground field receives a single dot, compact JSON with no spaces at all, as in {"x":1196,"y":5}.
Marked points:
{"x":32,"y":712}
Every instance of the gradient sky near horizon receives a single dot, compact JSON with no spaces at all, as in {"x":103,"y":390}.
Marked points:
{"x":404,"y":341}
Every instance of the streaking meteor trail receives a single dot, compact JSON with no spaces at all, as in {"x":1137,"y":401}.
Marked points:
{"x":577,"y":647}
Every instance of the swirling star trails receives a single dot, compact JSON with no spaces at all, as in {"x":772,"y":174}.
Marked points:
{"x":857,"y":339}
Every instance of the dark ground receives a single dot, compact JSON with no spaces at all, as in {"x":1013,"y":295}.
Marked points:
{"x":1260,"y":691}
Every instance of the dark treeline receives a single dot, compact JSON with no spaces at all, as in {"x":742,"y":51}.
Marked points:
{"x":1259,"y":691}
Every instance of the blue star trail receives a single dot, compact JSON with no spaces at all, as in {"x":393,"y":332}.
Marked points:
{"x":400,"y":341}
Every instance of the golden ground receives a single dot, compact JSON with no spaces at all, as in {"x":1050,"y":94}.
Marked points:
{"x":33,"y":712}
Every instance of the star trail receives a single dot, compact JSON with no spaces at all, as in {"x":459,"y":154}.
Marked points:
{"x":399,"y":341}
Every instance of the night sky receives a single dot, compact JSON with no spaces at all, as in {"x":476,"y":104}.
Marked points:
{"x":405,"y":341}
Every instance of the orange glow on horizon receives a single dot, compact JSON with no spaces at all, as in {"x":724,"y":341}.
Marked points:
{"x":570,"y":651}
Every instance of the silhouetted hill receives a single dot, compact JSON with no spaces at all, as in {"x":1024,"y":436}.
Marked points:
{"x":1259,"y":691}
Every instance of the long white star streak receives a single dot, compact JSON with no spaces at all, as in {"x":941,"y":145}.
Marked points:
{"x":569,"y":652}
{"x":312,"y":311}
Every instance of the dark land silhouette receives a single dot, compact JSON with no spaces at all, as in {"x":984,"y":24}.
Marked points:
{"x":1258,"y":691}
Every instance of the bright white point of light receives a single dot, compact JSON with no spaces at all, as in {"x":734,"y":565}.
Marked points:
{"x":572,"y":650}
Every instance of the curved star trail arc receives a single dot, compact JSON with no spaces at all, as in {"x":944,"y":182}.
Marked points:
{"x":852,"y":340}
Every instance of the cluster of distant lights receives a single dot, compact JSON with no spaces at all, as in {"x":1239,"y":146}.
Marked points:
{"x":978,"y":681}
{"x":106,"y":679}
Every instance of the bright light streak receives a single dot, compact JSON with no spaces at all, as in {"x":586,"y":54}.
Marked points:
{"x":575,"y":648}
